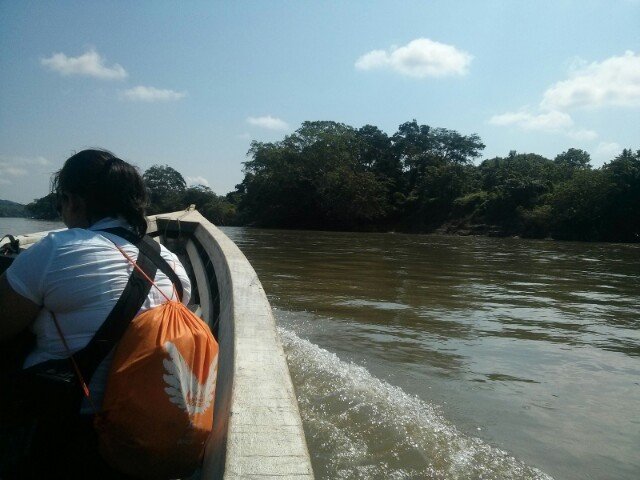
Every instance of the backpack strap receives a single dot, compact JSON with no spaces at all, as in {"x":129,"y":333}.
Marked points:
{"x":151,"y":249}
{"x":114,"y":326}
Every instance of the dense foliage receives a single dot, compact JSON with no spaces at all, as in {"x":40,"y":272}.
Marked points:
{"x":44,"y":208}
{"x":166,"y":188}
{"x":168,"y":192}
{"x":328,"y":175}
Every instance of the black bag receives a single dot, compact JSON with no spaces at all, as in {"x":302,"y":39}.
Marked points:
{"x":49,"y":388}
{"x":43,"y":398}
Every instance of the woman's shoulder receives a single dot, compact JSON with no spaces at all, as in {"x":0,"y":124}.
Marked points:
{"x":70,"y":235}
{"x":74,"y":239}
{"x":53,"y":241}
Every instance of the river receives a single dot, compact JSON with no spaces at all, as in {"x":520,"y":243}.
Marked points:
{"x":443,"y":356}
{"x":457,"y":357}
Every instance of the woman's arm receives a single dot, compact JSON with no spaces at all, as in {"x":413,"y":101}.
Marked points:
{"x":16,"y":311}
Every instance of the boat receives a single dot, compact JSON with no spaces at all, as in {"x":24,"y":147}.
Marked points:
{"x":257,"y":428}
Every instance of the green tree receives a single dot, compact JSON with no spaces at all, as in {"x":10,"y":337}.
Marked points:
{"x":315,"y":177}
{"x":350,"y":198}
{"x":437,"y":165}
{"x":623,"y":205}
{"x":44,"y":208}
{"x":570,"y":161}
{"x":166,"y":187}
{"x":515,"y":184}
{"x":416,"y":144}
{"x":277,"y":187}
{"x":198,"y":195}
{"x":376,"y":154}
{"x":579,"y":206}
{"x":220,"y":211}
{"x":330,"y":175}
{"x":436,"y":190}
{"x":217,"y":210}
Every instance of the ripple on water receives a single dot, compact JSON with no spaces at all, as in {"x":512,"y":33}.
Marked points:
{"x":361,"y":427}
{"x":379,"y":305}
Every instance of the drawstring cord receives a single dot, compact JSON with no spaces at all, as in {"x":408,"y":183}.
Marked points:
{"x":85,"y":388}
{"x":135,"y":265}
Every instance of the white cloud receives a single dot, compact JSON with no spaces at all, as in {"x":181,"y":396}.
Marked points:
{"x":373,"y":59}
{"x":268,"y":122}
{"x":244,"y":136}
{"x":152,"y":94}
{"x":24,"y":178}
{"x":41,"y":161}
{"x":90,"y":64}
{"x":613,"y":82}
{"x":197,"y":181}
{"x":549,"y":121}
{"x":16,"y":160}
{"x":9,"y":170}
{"x":606,"y":151}
{"x":15,"y":166}
{"x":419,"y":58}
{"x":582,"y":135}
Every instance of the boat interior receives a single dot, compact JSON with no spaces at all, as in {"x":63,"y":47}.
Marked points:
{"x":257,"y":428}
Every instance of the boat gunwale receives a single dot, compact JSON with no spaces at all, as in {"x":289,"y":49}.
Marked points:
{"x":260,"y":428}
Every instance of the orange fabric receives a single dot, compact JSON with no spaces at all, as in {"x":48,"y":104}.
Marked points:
{"x":158,"y":404}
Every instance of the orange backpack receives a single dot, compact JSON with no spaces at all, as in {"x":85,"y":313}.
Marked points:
{"x":158,"y":406}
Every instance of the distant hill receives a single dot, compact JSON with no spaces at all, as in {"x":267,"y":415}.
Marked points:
{"x":12,"y":209}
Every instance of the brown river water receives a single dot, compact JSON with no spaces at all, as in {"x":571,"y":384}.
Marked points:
{"x":458,"y":357}
{"x":418,"y":357}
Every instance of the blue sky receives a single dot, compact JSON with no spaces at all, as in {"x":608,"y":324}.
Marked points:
{"x":190,"y":84}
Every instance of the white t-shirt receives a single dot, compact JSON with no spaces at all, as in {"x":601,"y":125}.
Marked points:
{"x":79,"y":275}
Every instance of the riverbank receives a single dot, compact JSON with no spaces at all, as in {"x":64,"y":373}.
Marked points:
{"x":465,"y":227}
{"x":454,"y":228}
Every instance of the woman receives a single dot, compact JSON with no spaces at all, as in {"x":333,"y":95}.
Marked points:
{"x":79,"y":274}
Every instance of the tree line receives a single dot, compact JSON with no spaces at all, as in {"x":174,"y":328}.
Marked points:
{"x":11,"y":209}
{"x":423,"y":179}
{"x":168,"y":192}
{"x":328,"y":175}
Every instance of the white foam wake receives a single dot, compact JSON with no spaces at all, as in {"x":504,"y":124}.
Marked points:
{"x":361,"y":427}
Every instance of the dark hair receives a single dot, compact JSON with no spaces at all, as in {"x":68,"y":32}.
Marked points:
{"x":108,"y":185}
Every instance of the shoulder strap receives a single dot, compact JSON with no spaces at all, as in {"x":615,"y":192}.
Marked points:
{"x":151,"y":249}
{"x":114,"y":326}
{"x":132,"y":298}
